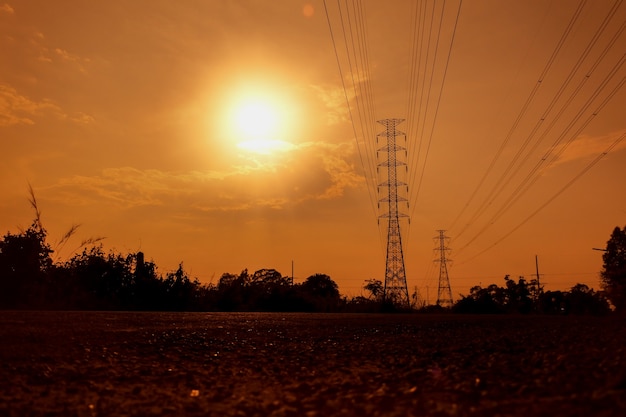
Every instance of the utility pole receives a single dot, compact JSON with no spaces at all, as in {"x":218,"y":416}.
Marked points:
{"x":444,"y":292}
{"x":395,"y":290}
{"x":538,"y":285}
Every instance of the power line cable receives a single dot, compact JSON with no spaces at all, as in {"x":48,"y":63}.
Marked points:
{"x":505,"y":99}
{"x":535,"y":173}
{"x":520,"y":115}
{"x":343,"y":84}
{"x":537,"y":176}
{"x":443,"y":81}
{"x":520,"y":190}
{"x":551,"y":199}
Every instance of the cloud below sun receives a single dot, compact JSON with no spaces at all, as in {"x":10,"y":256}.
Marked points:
{"x":310,"y":171}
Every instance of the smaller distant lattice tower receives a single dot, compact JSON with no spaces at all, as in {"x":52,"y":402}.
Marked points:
{"x":394,"y":190}
{"x":444,"y":292}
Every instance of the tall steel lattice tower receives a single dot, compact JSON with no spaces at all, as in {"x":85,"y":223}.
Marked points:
{"x":395,"y":290}
{"x":444,"y":292}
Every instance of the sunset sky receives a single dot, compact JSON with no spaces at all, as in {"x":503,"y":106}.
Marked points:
{"x":218,"y":134}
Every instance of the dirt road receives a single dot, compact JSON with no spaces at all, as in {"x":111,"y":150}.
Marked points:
{"x":247,"y":364}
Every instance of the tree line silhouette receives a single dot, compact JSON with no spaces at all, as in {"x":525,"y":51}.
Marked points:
{"x":95,"y":280}
{"x":521,"y":297}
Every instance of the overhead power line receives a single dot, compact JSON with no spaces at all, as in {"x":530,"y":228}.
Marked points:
{"x":551,"y":156}
{"x":363,"y":152}
{"x":603,"y":93}
{"x":551,"y":199}
{"x":519,"y":117}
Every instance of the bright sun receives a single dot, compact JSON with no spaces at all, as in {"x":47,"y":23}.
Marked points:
{"x":260,"y":124}
{"x":256,"y":119}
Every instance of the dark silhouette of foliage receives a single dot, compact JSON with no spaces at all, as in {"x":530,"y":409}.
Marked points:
{"x":516,"y":298}
{"x":371,"y":303}
{"x":268,"y":290}
{"x":232,"y":293}
{"x":613,"y":275}
{"x":107,"y":279}
{"x":535,"y":290}
{"x":95,"y":280}
{"x":180,"y":292}
{"x":321,"y":286}
{"x":321,"y":293}
{"x":360,"y":304}
{"x":147,"y":285}
{"x":24,"y":264}
{"x":480,"y":300}
{"x":552,"y":302}
{"x":375,"y":301}
{"x":375,"y":288}
{"x":583,"y":300}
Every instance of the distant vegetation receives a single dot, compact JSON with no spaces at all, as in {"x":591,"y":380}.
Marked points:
{"x":94,"y":280}
{"x":522,"y":298}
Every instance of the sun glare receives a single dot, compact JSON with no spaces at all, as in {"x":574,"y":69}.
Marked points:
{"x":260,"y":122}
{"x":256,"y":120}
{"x":265,"y":147}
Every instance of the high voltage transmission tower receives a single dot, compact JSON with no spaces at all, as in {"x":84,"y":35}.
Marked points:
{"x":395,"y":289}
{"x":444,"y":292}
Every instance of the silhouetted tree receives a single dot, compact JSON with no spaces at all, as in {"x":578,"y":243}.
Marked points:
{"x":513,"y":298}
{"x":490,"y":300}
{"x":583,"y":300}
{"x":148,"y":288}
{"x":268,"y":278}
{"x":321,"y":292}
{"x":107,"y":279}
{"x":268,"y":290}
{"x":232,"y":293}
{"x":181,"y":294}
{"x":227,"y":280}
{"x":552,"y":302}
{"x":24,"y":264}
{"x":613,"y":275}
{"x":375,"y":289}
{"x":517,"y":296}
{"x":360,"y":304}
{"x":535,"y":290}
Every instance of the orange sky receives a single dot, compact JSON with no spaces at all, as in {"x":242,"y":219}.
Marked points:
{"x":217,"y":134}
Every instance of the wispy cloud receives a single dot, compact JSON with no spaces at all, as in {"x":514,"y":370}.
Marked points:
{"x":312,"y":171}
{"x":18,"y":109}
{"x":65,"y":56}
{"x":128,"y":187}
{"x":6,"y":8}
{"x":341,"y":169}
{"x":32,"y":44}
{"x":57,"y":55}
{"x":334,"y":99}
{"x":586,"y":147}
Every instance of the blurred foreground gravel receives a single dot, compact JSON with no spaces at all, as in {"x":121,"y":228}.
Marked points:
{"x":283,"y":364}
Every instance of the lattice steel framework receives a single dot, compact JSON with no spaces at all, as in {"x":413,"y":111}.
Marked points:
{"x":444,"y":292}
{"x":395,"y":290}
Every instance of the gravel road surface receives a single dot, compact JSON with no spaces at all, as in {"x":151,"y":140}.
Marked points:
{"x":282,"y":364}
